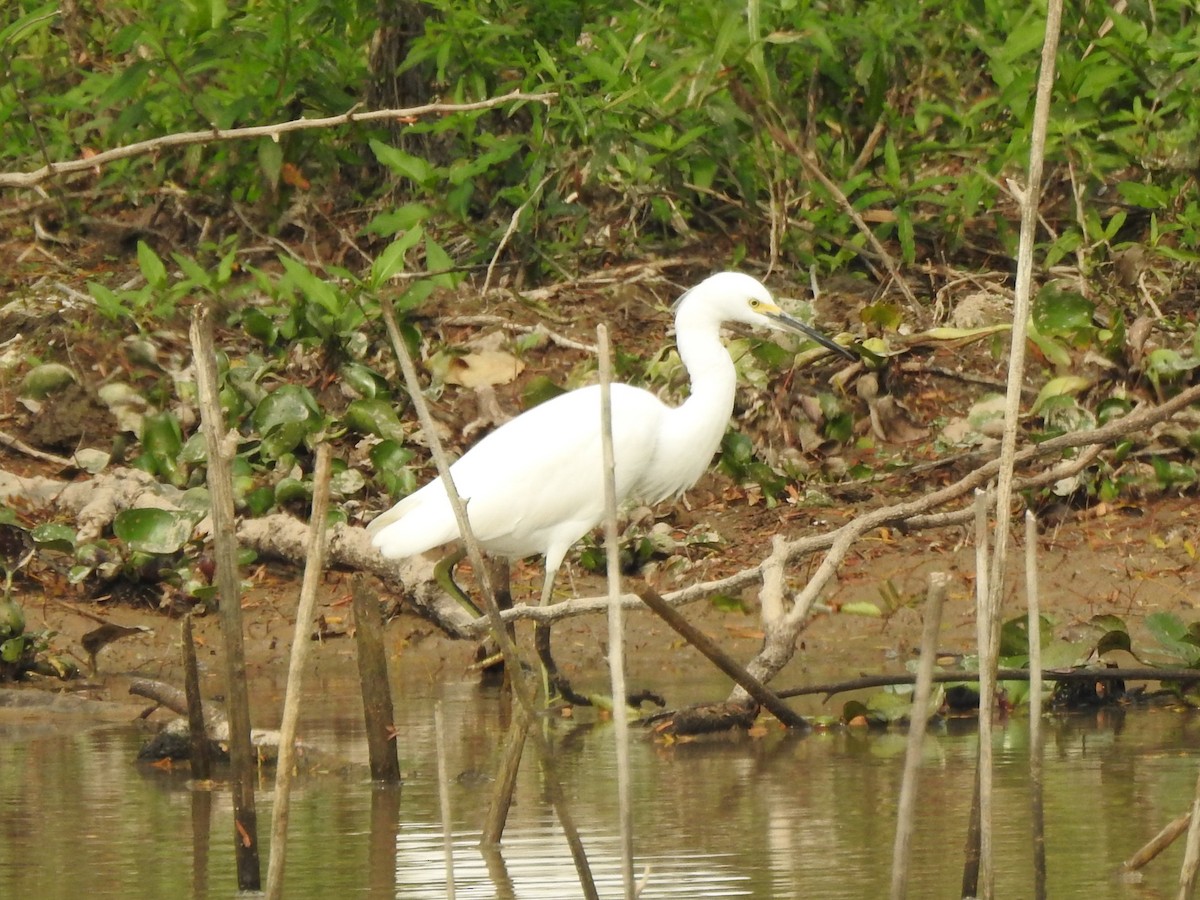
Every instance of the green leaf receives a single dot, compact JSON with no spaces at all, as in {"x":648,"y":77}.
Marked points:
{"x":286,"y":417}
{"x":1147,"y":196}
{"x":162,"y":441}
{"x":1062,"y":313}
{"x":391,"y":260}
{"x":728,"y":603}
{"x":1063,"y":386}
{"x":406,"y":217}
{"x":54,"y":536}
{"x":412,"y":167}
{"x":1173,"y":636}
{"x":157,"y":531}
{"x":861,"y":608}
{"x":374,"y":416}
{"x":438,"y":260}
{"x":270,"y":161}
{"x":152,"y":267}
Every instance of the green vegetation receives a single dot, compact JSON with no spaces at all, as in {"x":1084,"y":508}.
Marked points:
{"x":732,"y":132}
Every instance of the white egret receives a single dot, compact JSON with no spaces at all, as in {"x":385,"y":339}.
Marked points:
{"x":534,"y":485}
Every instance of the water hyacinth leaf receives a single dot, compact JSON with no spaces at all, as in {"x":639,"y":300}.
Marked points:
{"x":1169,"y":472}
{"x":46,"y":379}
{"x":196,"y":501}
{"x":390,"y":463}
{"x":1059,"y":313}
{"x":374,"y":416}
{"x":1112,"y":641}
{"x":347,"y":483}
{"x":366,"y":381}
{"x":156,"y":531}
{"x":12,"y":649}
{"x":162,"y":441}
{"x":290,"y":490}
{"x":54,"y":536}
{"x":1173,"y":637}
{"x":286,"y":417}
{"x":259,"y":500}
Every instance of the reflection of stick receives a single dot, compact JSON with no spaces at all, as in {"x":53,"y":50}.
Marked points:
{"x":918,"y":721}
{"x":616,"y":626}
{"x":1033,"y":633}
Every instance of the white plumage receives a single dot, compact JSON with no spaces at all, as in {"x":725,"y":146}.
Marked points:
{"x":535,"y":484}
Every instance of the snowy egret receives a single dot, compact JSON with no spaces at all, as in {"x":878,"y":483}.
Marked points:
{"x":534,"y":485}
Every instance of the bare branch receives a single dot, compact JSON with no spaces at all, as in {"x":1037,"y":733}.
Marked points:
{"x":183,"y":139}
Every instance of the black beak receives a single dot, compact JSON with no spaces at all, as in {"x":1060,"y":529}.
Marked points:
{"x":786,"y":321}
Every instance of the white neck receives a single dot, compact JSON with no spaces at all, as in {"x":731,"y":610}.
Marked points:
{"x":696,"y":426}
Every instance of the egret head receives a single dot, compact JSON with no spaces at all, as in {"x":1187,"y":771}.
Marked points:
{"x":737,"y":297}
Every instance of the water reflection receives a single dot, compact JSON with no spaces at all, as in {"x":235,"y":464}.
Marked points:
{"x":779,"y":816}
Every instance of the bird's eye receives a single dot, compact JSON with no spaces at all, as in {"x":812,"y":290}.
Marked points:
{"x":755,"y":303}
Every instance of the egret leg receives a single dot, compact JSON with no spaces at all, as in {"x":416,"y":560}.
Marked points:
{"x":551,"y":677}
{"x":443,"y":574}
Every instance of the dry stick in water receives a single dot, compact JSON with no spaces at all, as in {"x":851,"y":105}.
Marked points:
{"x":1191,"y":853}
{"x":512,"y":659}
{"x":918,"y":720}
{"x":314,"y":568}
{"x":616,"y":625}
{"x":439,"y":732}
{"x":1156,"y":844}
{"x":973,"y":866}
{"x":723,"y":661}
{"x":379,"y":713}
{"x":199,"y":749}
{"x":220,"y":488}
{"x":1034,"y":632}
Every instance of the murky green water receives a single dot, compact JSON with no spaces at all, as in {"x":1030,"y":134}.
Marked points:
{"x":782,"y":816}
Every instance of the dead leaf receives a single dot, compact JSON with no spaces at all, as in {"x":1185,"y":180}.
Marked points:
{"x":484,"y":367}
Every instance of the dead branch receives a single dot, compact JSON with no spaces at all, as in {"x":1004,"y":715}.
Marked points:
{"x":1092,"y":673}
{"x":183,"y":139}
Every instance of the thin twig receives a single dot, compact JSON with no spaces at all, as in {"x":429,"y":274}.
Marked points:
{"x":1022,"y":300}
{"x":956,"y":676}
{"x":314,"y":569}
{"x":506,"y":324}
{"x":511,"y":230}
{"x":20,"y":446}
{"x":212,"y":135}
